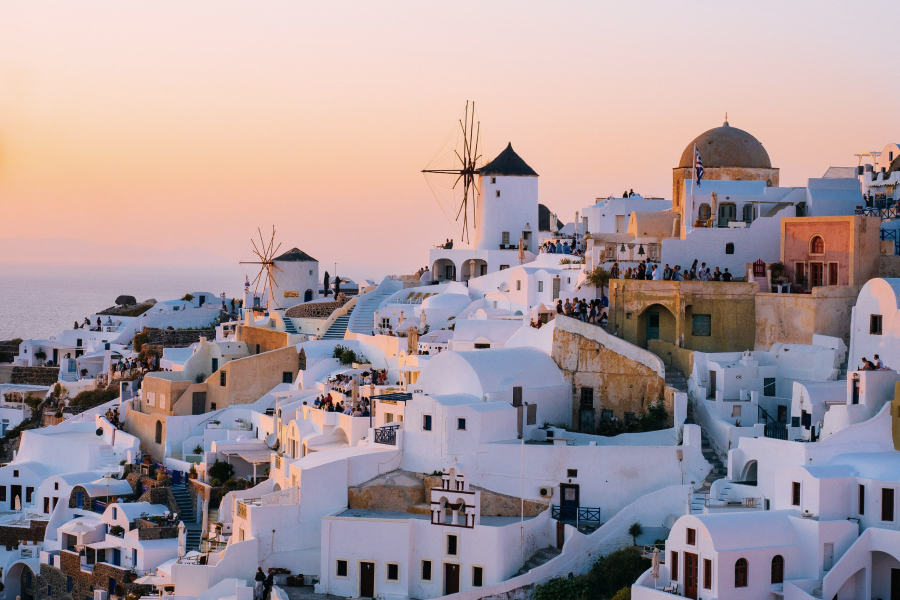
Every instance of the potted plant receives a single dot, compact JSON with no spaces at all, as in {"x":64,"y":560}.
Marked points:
{"x":193,"y":472}
{"x":116,"y":530}
{"x":198,"y":449}
{"x":40,"y":354}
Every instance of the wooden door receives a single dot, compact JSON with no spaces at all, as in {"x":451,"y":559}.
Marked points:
{"x":366,"y":580}
{"x":691,"y":579}
{"x":569,"y":498}
{"x":727,"y":213}
{"x":198,"y":403}
{"x":451,"y":578}
{"x":816,"y":274}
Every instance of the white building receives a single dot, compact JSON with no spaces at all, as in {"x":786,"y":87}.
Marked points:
{"x":875,"y":324}
{"x":611,"y":215}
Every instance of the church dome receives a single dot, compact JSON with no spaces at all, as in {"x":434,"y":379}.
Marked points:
{"x":727,"y":146}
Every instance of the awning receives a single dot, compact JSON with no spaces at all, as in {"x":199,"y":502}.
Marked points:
{"x":103,"y":545}
{"x":252,"y":455}
{"x":23,"y":387}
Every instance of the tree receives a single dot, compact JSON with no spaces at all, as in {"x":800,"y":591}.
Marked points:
{"x":598,"y":277}
{"x":221,"y":470}
{"x":188,"y":298}
{"x":325,"y":283}
{"x":635,"y":530}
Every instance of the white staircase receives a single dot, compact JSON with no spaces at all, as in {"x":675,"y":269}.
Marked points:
{"x":108,"y":459}
{"x":363,"y":318}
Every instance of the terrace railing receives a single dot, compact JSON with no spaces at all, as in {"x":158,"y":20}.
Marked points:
{"x":387,"y":435}
{"x":579,"y":515}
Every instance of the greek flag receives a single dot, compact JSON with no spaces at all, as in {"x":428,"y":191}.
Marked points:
{"x":698,"y":166}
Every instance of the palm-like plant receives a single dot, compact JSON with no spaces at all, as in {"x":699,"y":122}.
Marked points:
{"x":635,"y":530}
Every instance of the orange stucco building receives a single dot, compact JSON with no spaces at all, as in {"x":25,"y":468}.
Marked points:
{"x":819,"y":251}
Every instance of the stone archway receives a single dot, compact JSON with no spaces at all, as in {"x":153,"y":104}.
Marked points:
{"x":444,"y":270}
{"x":656,"y":322}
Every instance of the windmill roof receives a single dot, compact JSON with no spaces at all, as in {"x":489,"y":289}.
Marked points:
{"x":508,"y":163}
{"x":295,"y":255}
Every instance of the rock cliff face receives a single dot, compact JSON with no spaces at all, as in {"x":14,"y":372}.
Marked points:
{"x":403,"y":491}
{"x":179,"y":338}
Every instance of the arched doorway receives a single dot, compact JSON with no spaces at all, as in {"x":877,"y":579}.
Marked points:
{"x":748,"y":475}
{"x":307,"y":295}
{"x":474,"y":267}
{"x":655,"y":323}
{"x":444,"y":270}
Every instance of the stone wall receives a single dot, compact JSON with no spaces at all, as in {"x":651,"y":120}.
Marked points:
{"x":179,"y":338}
{"x":34,"y":375}
{"x":794,"y":318}
{"x":621,"y":383}
{"x":55,"y":579}
{"x":151,"y":531}
{"x":316,"y":310}
{"x":10,"y":537}
{"x":890,"y":266}
{"x":261,"y":339}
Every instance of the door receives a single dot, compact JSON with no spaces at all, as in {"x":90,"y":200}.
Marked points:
{"x":782,"y":413}
{"x":367,"y":580}
{"x":307,"y":296}
{"x":816,"y":274}
{"x":652,"y":326}
{"x":711,"y":393}
{"x":828,"y":561}
{"x":198,"y":403}
{"x":16,"y":491}
{"x":727,"y":213}
{"x":451,"y":578}
{"x":560,"y":535}
{"x":568,"y":501}
{"x":690,"y":575}
{"x":587,"y":420}
{"x":56,"y":356}
{"x":620,"y":223}
{"x":895,"y":584}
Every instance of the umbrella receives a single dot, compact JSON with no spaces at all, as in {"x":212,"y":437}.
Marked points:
{"x":107,"y":481}
{"x":18,"y":503}
{"x":654,"y":566}
{"x":153,"y":580}
{"x":182,"y":543}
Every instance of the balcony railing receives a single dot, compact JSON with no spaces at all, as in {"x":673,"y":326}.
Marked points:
{"x":579,"y":515}
{"x":387,"y":435}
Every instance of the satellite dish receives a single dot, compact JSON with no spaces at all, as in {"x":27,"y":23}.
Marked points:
{"x":272,"y":440}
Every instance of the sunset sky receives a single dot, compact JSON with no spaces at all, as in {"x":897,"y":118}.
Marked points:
{"x":172,"y":124}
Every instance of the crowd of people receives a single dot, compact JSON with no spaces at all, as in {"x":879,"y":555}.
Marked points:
{"x":327,"y":404}
{"x":651,"y":272}
{"x":876,"y":365}
{"x":99,"y":327}
{"x":593,"y":311}
{"x":560,"y":247}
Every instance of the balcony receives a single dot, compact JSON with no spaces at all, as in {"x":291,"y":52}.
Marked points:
{"x":576,"y":515}
{"x":387,"y":435}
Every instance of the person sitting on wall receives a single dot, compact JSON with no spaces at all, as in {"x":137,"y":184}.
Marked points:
{"x":878,"y":364}
{"x":867,"y":365}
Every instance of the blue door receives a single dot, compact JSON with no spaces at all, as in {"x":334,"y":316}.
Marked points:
{"x":79,"y":499}
{"x":176,"y":477}
{"x":117,"y":557}
{"x":652,"y":326}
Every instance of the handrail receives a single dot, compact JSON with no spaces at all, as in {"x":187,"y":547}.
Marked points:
{"x":340,"y":312}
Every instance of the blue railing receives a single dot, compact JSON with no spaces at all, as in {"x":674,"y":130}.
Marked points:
{"x":885,"y":212}
{"x":580,"y":515}
{"x":387,"y":435}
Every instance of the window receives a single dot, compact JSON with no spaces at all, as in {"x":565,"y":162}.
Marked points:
{"x":795,"y":493}
{"x":799,"y":272}
{"x":257,"y":348}
{"x":46,"y":504}
{"x":674,"y":566}
{"x":159,"y":432}
{"x":151,"y":398}
{"x":729,"y":248}
{"x":15,"y":473}
{"x":498,"y":193}
{"x":777,"y":569}
{"x":29,"y":492}
{"x":426,"y":422}
{"x":287,"y":377}
{"x":461,"y":424}
{"x":55,"y":485}
{"x":212,"y":406}
{"x":587,"y":397}
{"x":504,"y":267}
{"x":482,"y":346}
{"x":493,"y":180}
{"x":629,"y":418}
{"x":223,"y":378}
{"x":875,"y":324}
{"x":540,"y":286}
{"x":707,"y":574}
{"x":517,"y":396}
{"x":748,"y":213}
{"x":518,"y":284}
{"x":768,"y":386}
{"x":426,"y":570}
{"x":861,"y":500}
{"x":340,"y":569}
{"x":393,"y":572}
{"x":701,"y":325}
{"x":504,"y":238}
{"x":887,"y":504}
{"x":2,"y":493}
{"x":833,"y":273}
{"x":571,"y":473}
{"x":477,"y":576}
{"x":691,"y":537}
{"x":215,"y":365}
{"x":817,"y":245}
{"x":703,"y":212}
{"x":162,"y":401}
{"x":740,"y":573}
{"x":452,"y":546}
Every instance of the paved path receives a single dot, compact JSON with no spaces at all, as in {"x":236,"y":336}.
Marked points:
{"x":306,"y":592}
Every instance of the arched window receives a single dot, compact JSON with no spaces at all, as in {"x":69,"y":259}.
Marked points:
{"x":748,"y":213}
{"x":778,"y":569}
{"x":729,"y":248}
{"x":817,"y":245}
{"x":740,"y":573}
{"x":703,"y":212}
{"x":159,"y":432}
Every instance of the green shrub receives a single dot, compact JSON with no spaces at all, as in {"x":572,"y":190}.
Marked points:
{"x":623,"y":594}
{"x":615,"y":571}
{"x":560,"y":588}
{"x":188,"y":298}
{"x":92,"y":398}
{"x":139,"y":340}
{"x":221,"y":471}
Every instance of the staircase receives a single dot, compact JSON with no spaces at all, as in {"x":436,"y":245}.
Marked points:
{"x":676,"y":379}
{"x":718,"y":471}
{"x":193,"y":530}
{"x":338,"y":327}
{"x":538,"y":558}
{"x":109,"y":460}
{"x":289,"y":325}
{"x":364,"y":319}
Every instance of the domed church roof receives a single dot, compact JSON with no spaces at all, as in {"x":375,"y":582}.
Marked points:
{"x":727,"y":146}
{"x":508,"y":163}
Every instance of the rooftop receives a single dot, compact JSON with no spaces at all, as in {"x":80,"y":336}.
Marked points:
{"x":507,"y":164}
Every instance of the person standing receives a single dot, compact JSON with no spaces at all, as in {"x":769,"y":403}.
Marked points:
{"x":270,"y":579}
{"x":657,"y":273}
{"x":726,"y":276}
{"x":667,"y":273}
{"x":260,"y":580}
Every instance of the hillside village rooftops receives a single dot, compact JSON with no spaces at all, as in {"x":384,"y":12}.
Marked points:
{"x":392,"y":515}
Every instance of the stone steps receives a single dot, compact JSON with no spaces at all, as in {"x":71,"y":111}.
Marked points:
{"x":538,"y":558}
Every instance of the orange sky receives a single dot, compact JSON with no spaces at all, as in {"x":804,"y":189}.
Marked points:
{"x":190,"y":124}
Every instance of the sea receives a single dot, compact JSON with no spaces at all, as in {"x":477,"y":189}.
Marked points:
{"x":40,"y":300}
